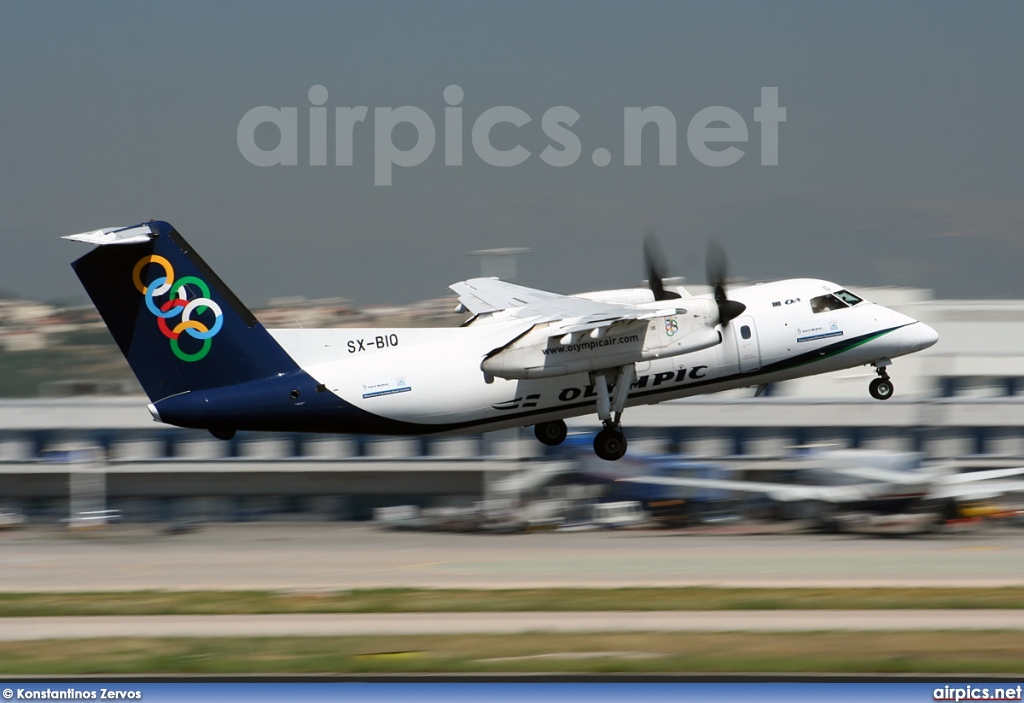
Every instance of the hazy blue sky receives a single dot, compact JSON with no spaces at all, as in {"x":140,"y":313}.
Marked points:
{"x":901,"y":160}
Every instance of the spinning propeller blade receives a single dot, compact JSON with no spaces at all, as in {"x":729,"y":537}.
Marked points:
{"x":716,"y":268}
{"x":654,"y":262}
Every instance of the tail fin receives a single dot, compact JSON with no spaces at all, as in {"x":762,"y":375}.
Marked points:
{"x":180,"y":328}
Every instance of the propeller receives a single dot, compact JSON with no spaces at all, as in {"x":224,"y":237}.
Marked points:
{"x":654,"y":262}
{"x":716,"y":268}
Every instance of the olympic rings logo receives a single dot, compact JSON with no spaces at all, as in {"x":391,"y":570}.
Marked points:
{"x":178,"y":303}
{"x":671,"y":326}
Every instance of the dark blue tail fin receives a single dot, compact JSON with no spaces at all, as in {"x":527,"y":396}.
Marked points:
{"x":180,"y":328}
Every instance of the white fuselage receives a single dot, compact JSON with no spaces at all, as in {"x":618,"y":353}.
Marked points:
{"x":432,"y":378}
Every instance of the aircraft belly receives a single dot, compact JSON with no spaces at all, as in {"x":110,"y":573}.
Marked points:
{"x":439,"y":388}
{"x":430,"y":385}
{"x":454,"y":396}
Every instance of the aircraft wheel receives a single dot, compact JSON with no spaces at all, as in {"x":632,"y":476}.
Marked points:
{"x":610,"y":445}
{"x":551,"y":433}
{"x":881,"y":389}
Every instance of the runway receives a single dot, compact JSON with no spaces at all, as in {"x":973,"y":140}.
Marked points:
{"x":339,"y":556}
{"x":322,"y":625}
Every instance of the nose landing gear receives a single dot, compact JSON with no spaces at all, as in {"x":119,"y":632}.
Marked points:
{"x":881,"y":388}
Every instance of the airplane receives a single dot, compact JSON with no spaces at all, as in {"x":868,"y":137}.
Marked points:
{"x":861,"y":482}
{"x":525,"y":357}
{"x":668,"y":506}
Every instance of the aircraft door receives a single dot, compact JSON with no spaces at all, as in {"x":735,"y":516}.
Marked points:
{"x":746,"y":343}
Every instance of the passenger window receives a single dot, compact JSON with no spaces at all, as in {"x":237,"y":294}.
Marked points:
{"x":827,"y":303}
{"x":745,"y":332}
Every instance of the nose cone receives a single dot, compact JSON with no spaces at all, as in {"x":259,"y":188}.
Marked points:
{"x":926,"y":336}
{"x":916,"y":336}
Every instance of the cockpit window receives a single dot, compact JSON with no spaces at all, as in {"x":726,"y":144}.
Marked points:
{"x":827,"y":303}
{"x":848,"y":297}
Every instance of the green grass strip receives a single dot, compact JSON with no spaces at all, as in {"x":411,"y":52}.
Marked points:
{"x":845,"y":652}
{"x":550,"y":600}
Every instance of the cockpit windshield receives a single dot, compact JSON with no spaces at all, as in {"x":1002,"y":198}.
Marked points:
{"x":834,"y":301}
{"x":826,"y":303}
{"x":848,"y":297}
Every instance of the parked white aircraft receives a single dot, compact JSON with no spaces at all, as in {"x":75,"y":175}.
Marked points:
{"x":526,"y":357}
{"x":866,"y":482}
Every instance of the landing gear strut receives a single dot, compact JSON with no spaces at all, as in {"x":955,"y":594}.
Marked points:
{"x":881,"y":388}
{"x":551,"y":433}
{"x":610,"y":443}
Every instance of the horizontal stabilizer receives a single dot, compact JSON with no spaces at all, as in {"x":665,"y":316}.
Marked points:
{"x":136,"y":234}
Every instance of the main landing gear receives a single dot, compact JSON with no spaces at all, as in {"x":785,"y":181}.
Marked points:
{"x":551,"y":433}
{"x":610,"y":444}
{"x":881,"y":388}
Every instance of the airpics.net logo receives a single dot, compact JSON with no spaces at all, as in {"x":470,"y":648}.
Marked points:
{"x":712,"y":134}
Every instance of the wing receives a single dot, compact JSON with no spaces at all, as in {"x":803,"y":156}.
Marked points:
{"x":560,"y":323}
{"x":484,"y":295}
{"x":776,"y":491}
{"x":977,"y":491}
{"x":987,"y":475}
{"x":879,"y":475}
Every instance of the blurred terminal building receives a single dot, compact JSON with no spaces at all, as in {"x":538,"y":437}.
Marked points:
{"x":960,"y":401}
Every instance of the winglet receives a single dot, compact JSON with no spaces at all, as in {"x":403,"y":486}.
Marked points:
{"x":135,"y":234}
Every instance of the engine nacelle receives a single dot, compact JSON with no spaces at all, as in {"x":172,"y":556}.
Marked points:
{"x":546,"y":351}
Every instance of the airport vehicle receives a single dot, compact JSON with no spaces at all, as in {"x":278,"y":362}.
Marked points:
{"x":10,"y":517}
{"x":857,"y":488}
{"x":618,"y":514}
{"x":525,"y":357}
